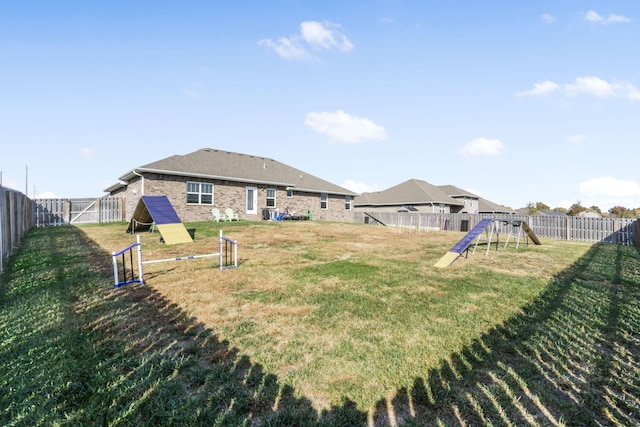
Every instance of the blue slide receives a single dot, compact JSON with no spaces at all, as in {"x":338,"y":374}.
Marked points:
{"x":463,"y":244}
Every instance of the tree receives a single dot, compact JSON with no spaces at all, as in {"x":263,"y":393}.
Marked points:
{"x":534,"y":208}
{"x":621,"y":212}
{"x":531,"y":209}
{"x":561,"y":210}
{"x":542,"y":207}
{"x":595,"y":209}
{"x":576,"y":208}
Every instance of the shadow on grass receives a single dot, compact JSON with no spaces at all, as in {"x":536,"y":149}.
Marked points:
{"x":76,"y":351}
{"x":571,"y":358}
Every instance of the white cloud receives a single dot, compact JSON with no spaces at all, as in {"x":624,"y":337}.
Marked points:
{"x":343,"y":127}
{"x":548,"y":18}
{"x":542,"y":88}
{"x":577,"y":139}
{"x":192,"y":93}
{"x":386,"y":20}
{"x":47,"y":195}
{"x":589,"y":85}
{"x":630,"y":91}
{"x":592,"y":86}
{"x":595,"y":18}
{"x":606,"y":192}
{"x":89,"y":152}
{"x":315,"y":35}
{"x":325,"y":35}
{"x":482,"y":147}
{"x":359,"y":187}
{"x":195,"y":91}
{"x":287,"y":48}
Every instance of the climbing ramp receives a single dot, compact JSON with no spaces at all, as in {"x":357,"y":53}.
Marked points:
{"x":463,"y":244}
{"x":517,"y":229}
{"x":157,"y":211}
{"x":530,"y":233}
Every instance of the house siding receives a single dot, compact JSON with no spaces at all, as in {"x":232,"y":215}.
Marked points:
{"x":230,"y":194}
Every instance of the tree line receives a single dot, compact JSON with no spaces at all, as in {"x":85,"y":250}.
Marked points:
{"x":577,"y":208}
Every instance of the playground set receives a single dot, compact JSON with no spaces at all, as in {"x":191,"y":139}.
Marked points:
{"x":157,"y":212}
{"x":490,"y":227}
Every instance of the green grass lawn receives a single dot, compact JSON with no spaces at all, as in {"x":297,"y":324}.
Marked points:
{"x":322,"y":324}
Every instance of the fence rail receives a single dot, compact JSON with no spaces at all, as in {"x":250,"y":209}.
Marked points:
{"x":77,"y":211}
{"x":612,"y":230}
{"x":16,"y":217}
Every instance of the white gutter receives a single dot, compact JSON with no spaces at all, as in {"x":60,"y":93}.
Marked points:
{"x":141,"y":176}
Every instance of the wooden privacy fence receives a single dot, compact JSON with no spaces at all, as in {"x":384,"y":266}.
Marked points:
{"x":16,"y":217}
{"x":612,"y":230}
{"x":77,"y":211}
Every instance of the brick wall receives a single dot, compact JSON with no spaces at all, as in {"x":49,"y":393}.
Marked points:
{"x":229,"y":194}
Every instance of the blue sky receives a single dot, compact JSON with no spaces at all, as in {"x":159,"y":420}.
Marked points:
{"x":516,"y":101}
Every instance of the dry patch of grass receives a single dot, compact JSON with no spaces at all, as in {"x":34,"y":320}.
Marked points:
{"x":330,"y":307}
{"x":323,"y":324}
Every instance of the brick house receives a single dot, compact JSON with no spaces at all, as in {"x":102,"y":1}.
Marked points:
{"x":415,"y":195}
{"x":208,"y":178}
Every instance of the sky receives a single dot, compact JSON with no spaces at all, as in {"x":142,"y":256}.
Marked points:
{"x":518,"y":102}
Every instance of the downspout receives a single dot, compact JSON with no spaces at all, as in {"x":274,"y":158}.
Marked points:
{"x":142,"y":177}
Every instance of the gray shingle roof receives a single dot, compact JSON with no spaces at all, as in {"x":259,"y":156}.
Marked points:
{"x":226,"y":165}
{"x":454,"y":191}
{"x":411,"y":192}
{"x":484,"y":205}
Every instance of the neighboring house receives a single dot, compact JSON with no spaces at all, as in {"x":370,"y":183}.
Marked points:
{"x":205,"y":179}
{"x":589,"y":214}
{"x":413,"y":195}
{"x":416,"y":195}
{"x":474,"y":203}
{"x":551,"y":212}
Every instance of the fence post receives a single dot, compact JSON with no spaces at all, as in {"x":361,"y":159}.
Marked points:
{"x":66,"y":211}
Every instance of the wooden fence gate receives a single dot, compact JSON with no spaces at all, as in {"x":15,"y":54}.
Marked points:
{"x":77,"y":211}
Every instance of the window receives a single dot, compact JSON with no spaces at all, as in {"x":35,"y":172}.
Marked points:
{"x":290,"y":193}
{"x":442,"y":208}
{"x":199,"y":193}
{"x":324,"y":201}
{"x":347,"y":202}
{"x":271,"y":197}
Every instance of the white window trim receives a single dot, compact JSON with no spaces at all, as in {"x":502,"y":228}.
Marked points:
{"x":200,"y":193}
{"x":324,"y":198}
{"x":274,"y":198}
{"x":347,"y":202}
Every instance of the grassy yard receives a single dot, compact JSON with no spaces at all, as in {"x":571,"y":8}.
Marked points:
{"x":321,"y":324}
